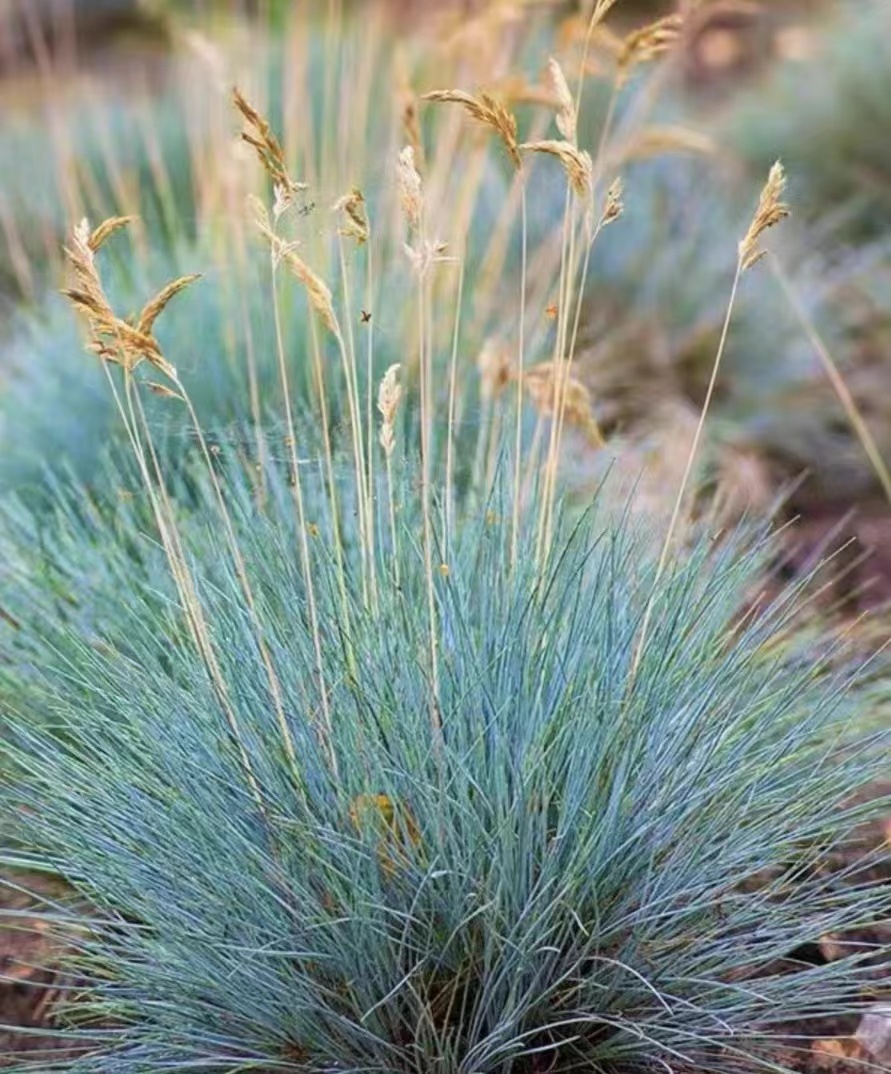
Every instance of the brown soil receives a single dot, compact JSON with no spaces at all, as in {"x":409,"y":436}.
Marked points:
{"x":855,"y":539}
{"x":28,"y":981}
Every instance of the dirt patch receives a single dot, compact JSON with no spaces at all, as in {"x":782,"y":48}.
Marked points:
{"x":29,"y":981}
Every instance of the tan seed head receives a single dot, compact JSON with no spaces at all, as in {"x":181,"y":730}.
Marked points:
{"x":352,"y":206}
{"x":771,"y":210}
{"x":576,"y":162}
{"x":389,"y":397}
{"x":487,"y":110}
{"x":566,"y":114}
{"x":411,"y":193}
{"x":544,"y":381}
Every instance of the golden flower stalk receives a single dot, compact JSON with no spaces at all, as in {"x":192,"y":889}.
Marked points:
{"x":352,"y":206}
{"x":771,"y":210}
{"x":389,"y":397}
{"x":650,"y":41}
{"x":541,"y":382}
{"x":106,"y":229}
{"x":567,"y":120}
{"x":317,"y":291}
{"x":268,"y":149}
{"x":411,"y":194}
{"x":576,"y":162}
{"x":487,"y":110}
{"x":157,"y":305}
{"x":112,"y":338}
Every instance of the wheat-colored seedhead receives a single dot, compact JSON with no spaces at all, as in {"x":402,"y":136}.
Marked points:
{"x":388,"y":399}
{"x":771,"y":210}
{"x":576,"y":163}
{"x":352,"y":206}
{"x":411,"y":196}
{"x":113,"y":338}
{"x":269,"y":151}
{"x":489,"y":111}
{"x":648,"y":42}
{"x":567,"y":120}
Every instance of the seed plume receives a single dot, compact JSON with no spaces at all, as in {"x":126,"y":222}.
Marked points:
{"x":771,"y":210}
{"x":352,"y":206}
{"x":567,"y":119}
{"x":576,"y":162}
{"x":389,"y":397}
{"x":268,"y":149}
{"x":410,"y":190}
{"x":487,"y":110}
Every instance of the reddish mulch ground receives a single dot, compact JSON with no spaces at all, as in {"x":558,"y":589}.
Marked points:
{"x":27,"y":978}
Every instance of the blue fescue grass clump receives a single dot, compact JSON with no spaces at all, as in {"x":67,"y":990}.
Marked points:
{"x":548,"y":860}
{"x":358,"y":762}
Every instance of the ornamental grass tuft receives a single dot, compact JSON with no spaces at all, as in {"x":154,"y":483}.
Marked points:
{"x":360,"y":747}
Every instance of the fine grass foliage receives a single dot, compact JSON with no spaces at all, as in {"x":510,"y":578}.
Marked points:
{"x":574,"y":860}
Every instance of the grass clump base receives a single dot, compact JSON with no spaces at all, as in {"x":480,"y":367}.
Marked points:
{"x":555,"y":862}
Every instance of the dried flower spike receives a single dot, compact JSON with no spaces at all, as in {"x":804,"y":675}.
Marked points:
{"x":112,"y":338}
{"x":576,"y":162}
{"x":352,"y":205}
{"x":317,"y":291}
{"x":645,"y":44}
{"x":567,"y":119}
{"x":269,"y":151}
{"x":771,"y":210}
{"x":487,"y":110}
{"x":389,"y":397}
{"x":542,"y":384}
{"x":106,"y":229}
{"x":410,"y":190}
{"x":613,"y":205}
{"x":156,"y":306}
